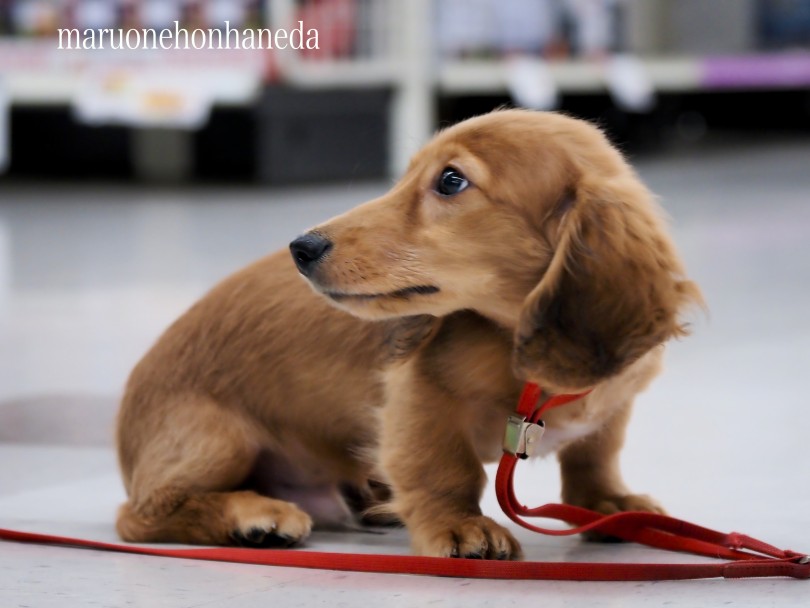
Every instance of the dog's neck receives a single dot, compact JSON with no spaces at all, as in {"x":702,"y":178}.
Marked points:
{"x":501,"y":312}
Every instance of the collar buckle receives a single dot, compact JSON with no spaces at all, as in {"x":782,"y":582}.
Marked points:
{"x":521,"y":438}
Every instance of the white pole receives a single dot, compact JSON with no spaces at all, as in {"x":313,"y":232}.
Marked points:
{"x":412,"y":111}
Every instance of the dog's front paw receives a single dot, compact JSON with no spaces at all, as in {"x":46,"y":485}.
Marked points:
{"x":629,"y":502}
{"x":617,"y":504}
{"x":473,"y":537}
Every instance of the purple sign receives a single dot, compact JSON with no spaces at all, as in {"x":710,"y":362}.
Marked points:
{"x":757,"y":71}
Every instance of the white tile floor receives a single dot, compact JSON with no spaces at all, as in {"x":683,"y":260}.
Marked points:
{"x":89,"y":275}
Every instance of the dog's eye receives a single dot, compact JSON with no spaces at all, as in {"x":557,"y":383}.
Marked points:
{"x":451,"y":182}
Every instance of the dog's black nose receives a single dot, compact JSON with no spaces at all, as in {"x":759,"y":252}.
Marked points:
{"x":307,"y":250}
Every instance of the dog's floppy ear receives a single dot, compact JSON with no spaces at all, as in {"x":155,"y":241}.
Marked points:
{"x":612,"y":292}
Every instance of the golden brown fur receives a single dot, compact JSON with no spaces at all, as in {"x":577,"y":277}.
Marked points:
{"x":552,"y":266}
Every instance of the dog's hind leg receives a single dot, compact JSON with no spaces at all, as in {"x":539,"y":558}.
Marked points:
{"x":184,"y":487}
{"x":219,"y":518}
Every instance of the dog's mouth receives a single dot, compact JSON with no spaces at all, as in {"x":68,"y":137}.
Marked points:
{"x":402,"y":294}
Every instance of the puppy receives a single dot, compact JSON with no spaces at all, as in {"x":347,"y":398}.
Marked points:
{"x":518,"y":246}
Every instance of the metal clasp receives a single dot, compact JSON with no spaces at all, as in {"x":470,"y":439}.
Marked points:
{"x":522,"y":438}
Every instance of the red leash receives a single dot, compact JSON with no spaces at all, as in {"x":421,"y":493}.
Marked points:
{"x":749,"y":557}
{"x":435,"y":566}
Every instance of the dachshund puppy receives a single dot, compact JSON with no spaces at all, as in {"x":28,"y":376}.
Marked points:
{"x":517,"y":246}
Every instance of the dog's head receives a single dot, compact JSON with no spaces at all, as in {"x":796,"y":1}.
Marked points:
{"x":531,"y":219}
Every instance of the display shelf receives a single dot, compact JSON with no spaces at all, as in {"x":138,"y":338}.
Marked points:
{"x":341,"y":73}
{"x":490,"y":77}
{"x":36,"y":72}
{"x":56,"y":82}
{"x":412,"y":50}
{"x":666,"y":74}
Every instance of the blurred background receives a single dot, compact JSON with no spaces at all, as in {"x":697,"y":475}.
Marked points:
{"x":654,"y":73}
{"x":133,"y":180}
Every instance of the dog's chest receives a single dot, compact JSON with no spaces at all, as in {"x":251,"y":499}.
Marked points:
{"x":556,"y":437}
{"x":489,"y":435}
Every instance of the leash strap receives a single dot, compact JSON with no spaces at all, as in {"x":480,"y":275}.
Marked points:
{"x":751,"y":557}
{"x":438,"y":566}
{"x":748,"y":557}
